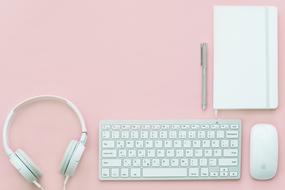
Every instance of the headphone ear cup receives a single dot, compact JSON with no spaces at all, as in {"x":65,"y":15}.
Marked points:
{"x":25,"y":166}
{"x":71,"y":158}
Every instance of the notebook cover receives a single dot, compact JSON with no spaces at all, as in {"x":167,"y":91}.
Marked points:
{"x":245,"y":57}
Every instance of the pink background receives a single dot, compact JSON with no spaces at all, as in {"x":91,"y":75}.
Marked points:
{"x":116,"y":60}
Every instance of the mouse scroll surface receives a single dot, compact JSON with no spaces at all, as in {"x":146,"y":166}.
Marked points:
{"x":263,"y":151}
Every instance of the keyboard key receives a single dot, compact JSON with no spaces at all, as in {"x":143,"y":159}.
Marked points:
{"x":130,"y":144}
{"x":223,"y":174}
{"x":189,"y":152}
{"x":115,"y":172}
{"x":115,"y":134}
{"x":212,"y":161}
{"x":105,"y":172}
{"x":124,"y":172}
{"x":232,"y":134}
{"x":116,"y":126}
{"x":224,"y":143}
{"x":194,"y":172}
{"x":173,"y":135}
{"x":198,"y":153}
{"x":220,"y":134}
{"x":163,"y":134}
{"x":177,"y":143}
{"x":153,"y":134}
{"x":109,"y":153}
{"x":136,"y":162}
{"x":174,"y":162}
{"x":164,"y":172}
{"x":211,"y":134}
{"x":234,"y":143}
{"x":108,"y":144}
{"x":192,"y":134}
{"x":165,"y":162}
{"x":122,"y":153}
{"x":150,"y":153}
{"x":214,"y":126}
{"x":106,"y":126}
{"x":120,"y":144}
{"x":146,"y":162}
{"x":217,"y":152}
{"x":144,"y":134}
{"x":234,"y":126}
{"x":132,"y":153}
{"x":155,"y":162}
{"x":201,"y":134}
{"x":206,"y":143}
{"x":228,"y":162}
{"x":139,"y":144}
{"x":196,"y":143}
{"x":125,"y":134}
{"x":205,"y":126}
{"x":179,"y":153}
{"x":170,"y":153}
{"x":158,"y":144}
{"x":224,"y":169}
{"x":141,"y":153}
{"x":125,"y":126}
{"x":168,"y":144}
{"x":134,"y":134}
{"x":187,"y":143}
{"x":214,"y":174}
{"x":184,"y":162}
{"x":233,"y":174}
{"x":182,"y":134}
{"x":111,"y":162}
{"x":149,"y":144}
{"x":160,"y":153}
{"x":215,"y":143}
{"x":204,"y":172}
{"x":135,"y":172}
{"x":230,"y":152}
{"x":127,"y":162}
{"x":106,"y":134}
{"x":225,"y":126}
{"x":203,"y":162}
{"x":208,"y":152}
{"x":194,"y":162}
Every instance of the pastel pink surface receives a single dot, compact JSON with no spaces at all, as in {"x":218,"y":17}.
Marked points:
{"x":116,"y":60}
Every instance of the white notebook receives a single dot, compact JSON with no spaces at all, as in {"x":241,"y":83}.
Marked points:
{"x":245,"y":57}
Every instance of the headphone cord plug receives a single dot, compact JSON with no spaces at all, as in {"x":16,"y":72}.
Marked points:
{"x":65,"y":182}
{"x":38,"y":185}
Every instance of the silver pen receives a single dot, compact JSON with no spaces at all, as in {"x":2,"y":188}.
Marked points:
{"x":204,"y":60}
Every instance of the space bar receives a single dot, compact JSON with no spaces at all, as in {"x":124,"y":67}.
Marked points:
{"x":164,"y":172}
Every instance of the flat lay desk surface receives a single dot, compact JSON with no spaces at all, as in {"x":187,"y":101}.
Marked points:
{"x":124,"y":59}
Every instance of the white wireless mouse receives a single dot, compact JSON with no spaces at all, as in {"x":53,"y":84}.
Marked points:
{"x":263,"y":151}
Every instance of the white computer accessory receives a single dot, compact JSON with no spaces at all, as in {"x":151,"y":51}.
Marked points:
{"x":263,"y":151}
{"x":21,"y":161}
{"x":170,"y":150}
{"x":245,"y":57}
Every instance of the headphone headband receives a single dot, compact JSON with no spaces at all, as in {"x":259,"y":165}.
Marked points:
{"x":34,"y":99}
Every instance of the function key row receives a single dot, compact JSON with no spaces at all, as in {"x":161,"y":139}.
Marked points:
{"x":169,"y":126}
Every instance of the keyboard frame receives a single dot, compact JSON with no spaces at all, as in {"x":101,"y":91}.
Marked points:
{"x":173,"y":122}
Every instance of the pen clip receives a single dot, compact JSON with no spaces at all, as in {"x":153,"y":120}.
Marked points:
{"x":203,"y":53}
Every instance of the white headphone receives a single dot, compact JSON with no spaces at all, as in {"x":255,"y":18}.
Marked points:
{"x":25,"y":166}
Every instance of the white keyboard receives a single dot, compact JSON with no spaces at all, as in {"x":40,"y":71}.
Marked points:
{"x":170,"y":150}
